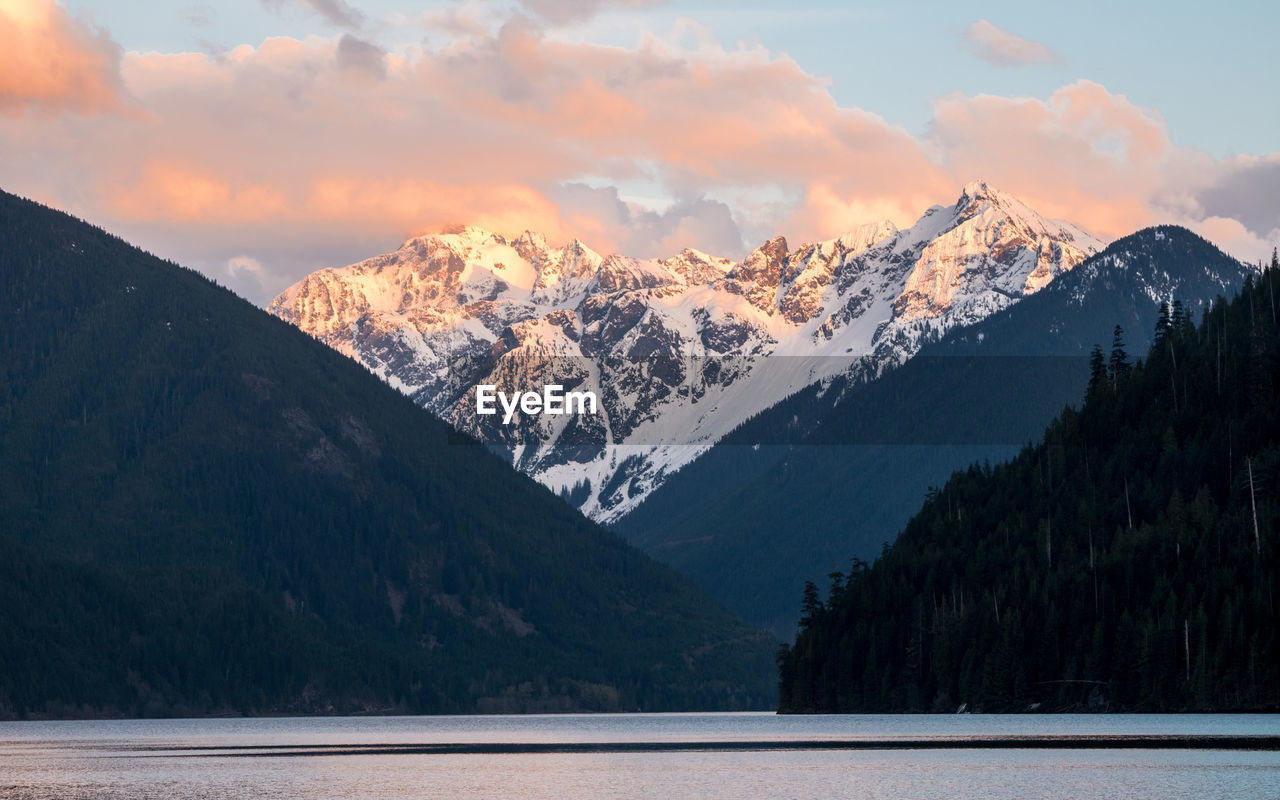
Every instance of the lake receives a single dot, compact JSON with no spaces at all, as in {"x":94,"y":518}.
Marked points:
{"x":899,"y":757}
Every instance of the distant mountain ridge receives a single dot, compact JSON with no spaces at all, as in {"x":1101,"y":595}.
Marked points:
{"x":205,"y":511}
{"x":835,"y":470}
{"x":682,"y":349}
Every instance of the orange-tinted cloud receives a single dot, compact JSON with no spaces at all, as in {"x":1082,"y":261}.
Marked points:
{"x":1084,"y":154}
{"x":51,"y":61}
{"x":297,"y":154}
{"x":1234,"y":238}
{"x":167,"y":192}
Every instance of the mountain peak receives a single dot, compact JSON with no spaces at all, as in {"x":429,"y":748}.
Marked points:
{"x":1169,"y":233}
{"x":977,"y":191}
{"x":981,"y":200}
{"x":458,"y":233}
{"x":979,"y":197}
{"x":867,"y":234}
{"x":532,"y":239}
{"x":775,"y":248}
{"x":1143,"y":258}
{"x":469,"y":232}
{"x":870,"y":296}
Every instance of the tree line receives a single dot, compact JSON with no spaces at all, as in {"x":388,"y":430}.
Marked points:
{"x":1128,"y":561}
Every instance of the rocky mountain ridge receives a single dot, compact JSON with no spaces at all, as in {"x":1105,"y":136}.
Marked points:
{"x":841,"y":466}
{"x":680,"y":350}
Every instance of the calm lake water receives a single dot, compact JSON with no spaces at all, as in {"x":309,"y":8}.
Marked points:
{"x":648,"y":756}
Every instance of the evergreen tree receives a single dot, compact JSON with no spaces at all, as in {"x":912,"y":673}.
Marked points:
{"x":1097,"y":370}
{"x":810,"y":606}
{"x":1118,"y":366}
{"x":1163,"y":323}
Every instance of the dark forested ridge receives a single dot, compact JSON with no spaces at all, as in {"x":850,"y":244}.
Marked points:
{"x":1127,"y":562}
{"x":202,"y":510}
{"x":836,"y":470}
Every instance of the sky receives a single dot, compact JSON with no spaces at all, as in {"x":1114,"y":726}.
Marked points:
{"x":259,"y":140}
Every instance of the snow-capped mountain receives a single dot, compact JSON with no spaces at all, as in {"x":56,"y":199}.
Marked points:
{"x":680,"y":350}
{"x":842,"y":466}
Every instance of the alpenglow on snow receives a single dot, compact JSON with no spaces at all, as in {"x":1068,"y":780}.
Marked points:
{"x":679,"y":350}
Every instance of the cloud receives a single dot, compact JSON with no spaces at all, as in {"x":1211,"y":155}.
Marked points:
{"x":1005,"y":49}
{"x":305,"y":153}
{"x":51,"y":61}
{"x":562,"y":12}
{"x":1084,"y":153}
{"x":734,"y":120}
{"x":243,"y":275}
{"x":357,"y":55}
{"x":464,"y":20}
{"x":336,"y":12}
{"x":696,"y":222}
{"x":1235,"y":239}
{"x":1248,"y":190}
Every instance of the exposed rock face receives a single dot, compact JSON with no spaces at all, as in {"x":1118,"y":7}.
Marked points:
{"x":679,"y":350}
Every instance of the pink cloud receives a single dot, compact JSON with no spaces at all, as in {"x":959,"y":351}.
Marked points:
{"x":1237,"y":240}
{"x":298,"y":154}
{"x":51,"y":61}
{"x":168,"y":192}
{"x":1083,"y":154}
{"x":1005,"y":49}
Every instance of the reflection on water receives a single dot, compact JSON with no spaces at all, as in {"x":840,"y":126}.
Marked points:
{"x":623,"y":756}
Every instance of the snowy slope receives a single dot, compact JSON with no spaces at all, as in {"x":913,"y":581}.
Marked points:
{"x":836,"y":470}
{"x":680,"y":350}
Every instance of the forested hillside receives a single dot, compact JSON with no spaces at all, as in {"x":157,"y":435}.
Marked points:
{"x":836,"y":470}
{"x":1127,"y":562}
{"x":203,"y":510}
